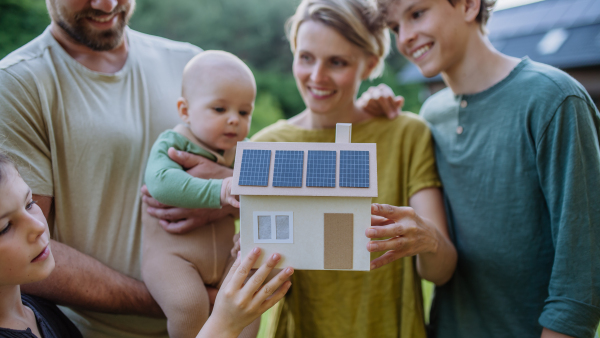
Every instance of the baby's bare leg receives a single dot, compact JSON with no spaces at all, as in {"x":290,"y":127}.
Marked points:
{"x":179,"y":290}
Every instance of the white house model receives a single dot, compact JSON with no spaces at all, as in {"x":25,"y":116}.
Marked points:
{"x":310,"y":202}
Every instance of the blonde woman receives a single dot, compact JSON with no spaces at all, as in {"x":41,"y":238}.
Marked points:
{"x":336,"y":45}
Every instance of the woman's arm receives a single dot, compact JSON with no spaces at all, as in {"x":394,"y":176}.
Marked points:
{"x":419,"y":230}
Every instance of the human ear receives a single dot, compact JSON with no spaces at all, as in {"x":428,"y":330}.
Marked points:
{"x":182,"y":109}
{"x":371,"y":63}
{"x":471,"y":9}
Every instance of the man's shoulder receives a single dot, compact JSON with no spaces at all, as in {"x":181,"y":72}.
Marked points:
{"x":156,"y":43}
{"x":29,"y":55}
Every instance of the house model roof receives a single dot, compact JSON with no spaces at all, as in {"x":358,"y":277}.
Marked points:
{"x":341,"y":169}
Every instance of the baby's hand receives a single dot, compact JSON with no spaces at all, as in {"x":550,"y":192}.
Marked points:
{"x":226,"y":196}
{"x":238,"y":304}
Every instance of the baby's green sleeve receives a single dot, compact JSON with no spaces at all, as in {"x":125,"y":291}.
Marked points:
{"x":169,"y":184}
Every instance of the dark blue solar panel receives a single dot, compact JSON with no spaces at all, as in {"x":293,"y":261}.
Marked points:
{"x":288,"y":168}
{"x":255,"y":167}
{"x":354,"y":169}
{"x":320,"y":170}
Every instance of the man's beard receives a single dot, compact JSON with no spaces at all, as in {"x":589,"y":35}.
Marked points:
{"x":98,"y":40}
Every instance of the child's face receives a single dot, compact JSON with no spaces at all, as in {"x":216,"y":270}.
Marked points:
{"x":219,"y":113}
{"x":25,"y":254}
{"x":432,"y":34}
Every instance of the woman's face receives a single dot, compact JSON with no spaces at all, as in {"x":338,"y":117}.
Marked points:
{"x":25,"y":254}
{"x":328,"y":68}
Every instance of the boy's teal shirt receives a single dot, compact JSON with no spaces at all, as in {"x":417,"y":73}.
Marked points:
{"x":520,"y":166}
{"x":169,"y":184}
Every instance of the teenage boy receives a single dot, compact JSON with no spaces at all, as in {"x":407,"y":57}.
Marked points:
{"x":518,"y":154}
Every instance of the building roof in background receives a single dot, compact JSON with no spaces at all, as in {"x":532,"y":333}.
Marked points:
{"x":561,"y":33}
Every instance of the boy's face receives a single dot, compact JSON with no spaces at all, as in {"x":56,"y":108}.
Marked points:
{"x":432,"y":34}
{"x":219,"y":112}
{"x":25,"y":254}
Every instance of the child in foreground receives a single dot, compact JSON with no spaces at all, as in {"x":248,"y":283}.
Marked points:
{"x":26,"y":257}
{"x":218,"y":92}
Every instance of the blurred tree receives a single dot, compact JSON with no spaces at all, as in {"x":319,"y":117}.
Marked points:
{"x":20,"y":22}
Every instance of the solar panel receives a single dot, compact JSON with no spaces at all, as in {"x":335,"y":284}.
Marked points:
{"x":255,"y":167}
{"x":320,"y":170}
{"x":354,"y":169}
{"x":288,"y":168}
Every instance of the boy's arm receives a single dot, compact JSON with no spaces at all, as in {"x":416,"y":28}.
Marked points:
{"x":169,"y":184}
{"x":568,"y":162}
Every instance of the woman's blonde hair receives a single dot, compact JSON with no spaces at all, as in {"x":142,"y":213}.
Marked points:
{"x":356,"y":20}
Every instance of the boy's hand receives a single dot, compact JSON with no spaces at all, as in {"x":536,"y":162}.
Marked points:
{"x":380,"y":100}
{"x":238,"y":304}
{"x":226,"y":197}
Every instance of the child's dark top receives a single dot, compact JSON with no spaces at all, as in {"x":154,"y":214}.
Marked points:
{"x":52,"y":323}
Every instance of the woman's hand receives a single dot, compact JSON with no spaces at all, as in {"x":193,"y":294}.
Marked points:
{"x":239,"y":304}
{"x":416,"y":230}
{"x":380,"y":100}
{"x":410,"y":234}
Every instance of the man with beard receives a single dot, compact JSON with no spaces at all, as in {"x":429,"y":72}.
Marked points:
{"x":80,"y":107}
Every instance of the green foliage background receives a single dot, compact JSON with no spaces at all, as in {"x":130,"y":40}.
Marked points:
{"x":251,"y":29}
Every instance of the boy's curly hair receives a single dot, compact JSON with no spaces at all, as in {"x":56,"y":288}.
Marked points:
{"x":485,"y":11}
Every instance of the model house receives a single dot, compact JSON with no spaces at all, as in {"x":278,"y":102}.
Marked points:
{"x":310,"y":202}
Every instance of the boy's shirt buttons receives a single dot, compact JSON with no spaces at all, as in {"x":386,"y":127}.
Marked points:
{"x":463,"y":104}
{"x":459,"y":130}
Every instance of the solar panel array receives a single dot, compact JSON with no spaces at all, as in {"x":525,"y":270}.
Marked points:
{"x":255,"y":167}
{"x":321,"y":169}
{"x":354,"y":169}
{"x":288,"y":168}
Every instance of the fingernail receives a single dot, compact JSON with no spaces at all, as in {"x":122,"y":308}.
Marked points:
{"x":373,"y":266}
{"x":256,"y":250}
{"x":288,"y":270}
{"x":374,"y":246}
{"x":179,"y":152}
{"x":371,"y":232}
{"x":275,"y":256}
{"x":239,"y":253}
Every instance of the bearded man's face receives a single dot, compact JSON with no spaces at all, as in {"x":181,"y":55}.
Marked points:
{"x":88,"y":22}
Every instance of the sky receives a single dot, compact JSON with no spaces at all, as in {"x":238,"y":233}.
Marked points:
{"x":504,"y":4}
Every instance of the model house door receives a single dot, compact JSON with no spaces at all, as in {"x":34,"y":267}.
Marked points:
{"x":339,"y":239}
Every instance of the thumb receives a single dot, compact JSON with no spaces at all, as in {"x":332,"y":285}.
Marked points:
{"x":184,"y":159}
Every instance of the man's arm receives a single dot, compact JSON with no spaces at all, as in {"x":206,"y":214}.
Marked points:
{"x":81,"y":281}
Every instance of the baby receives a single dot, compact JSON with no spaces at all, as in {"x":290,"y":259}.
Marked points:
{"x":218,"y":92}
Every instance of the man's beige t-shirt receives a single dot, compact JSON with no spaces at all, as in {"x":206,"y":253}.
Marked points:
{"x":83,"y":137}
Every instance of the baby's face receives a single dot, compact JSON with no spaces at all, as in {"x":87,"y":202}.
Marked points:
{"x":219,"y":113}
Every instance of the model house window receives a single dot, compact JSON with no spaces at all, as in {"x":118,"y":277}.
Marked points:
{"x":273,"y":227}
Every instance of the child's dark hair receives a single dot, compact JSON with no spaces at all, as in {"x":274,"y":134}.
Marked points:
{"x":5,"y":160}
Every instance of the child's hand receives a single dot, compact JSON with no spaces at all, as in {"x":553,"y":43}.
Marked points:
{"x":239,"y":304}
{"x":226,"y":196}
